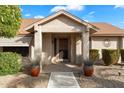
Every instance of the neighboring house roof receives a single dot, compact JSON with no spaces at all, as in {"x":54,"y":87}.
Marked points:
{"x":106,"y":29}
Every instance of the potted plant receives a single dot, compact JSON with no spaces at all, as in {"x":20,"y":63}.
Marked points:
{"x":88,"y":68}
{"x":35,"y":68}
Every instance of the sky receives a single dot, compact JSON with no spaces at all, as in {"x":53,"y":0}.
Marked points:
{"x":113,"y":14}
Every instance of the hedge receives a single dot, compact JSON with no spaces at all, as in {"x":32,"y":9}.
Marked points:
{"x":10,"y":63}
{"x":110,"y":56}
{"x":122,"y":54}
{"x":94,"y":54}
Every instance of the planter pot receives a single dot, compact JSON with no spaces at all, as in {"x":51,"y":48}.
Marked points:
{"x":88,"y":70}
{"x":35,"y":71}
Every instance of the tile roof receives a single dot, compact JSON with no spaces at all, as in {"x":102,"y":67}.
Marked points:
{"x":25,"y":23}
{"x":105,"y":29}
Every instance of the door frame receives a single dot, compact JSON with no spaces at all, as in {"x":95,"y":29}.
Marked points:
{"x":62,"y":36}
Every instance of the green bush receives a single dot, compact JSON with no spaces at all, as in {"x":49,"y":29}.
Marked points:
{"x":110,"y":56}
{"x":94,"y":54}
{"x":122,"y":54}
{"x":10,"y":63}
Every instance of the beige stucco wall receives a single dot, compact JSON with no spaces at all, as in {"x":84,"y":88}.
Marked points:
{"x":62,"y":24}
{"x":47,"y":49}
{"x":31,"y":48}
{"x":122,"y":41}
{"x":78,"y":49}
{"x":73,"y":48}
{"x":98,"y":43}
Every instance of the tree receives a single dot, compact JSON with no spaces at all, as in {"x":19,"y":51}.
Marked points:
{"x":10,"y":20}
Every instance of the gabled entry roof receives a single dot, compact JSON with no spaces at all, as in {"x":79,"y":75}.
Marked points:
{"x":65,"y":13}
{"x":104,"y":29}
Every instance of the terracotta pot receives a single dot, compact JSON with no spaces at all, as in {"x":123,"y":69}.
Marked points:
{"x":35,"y":71}
{"x":88,"y":70}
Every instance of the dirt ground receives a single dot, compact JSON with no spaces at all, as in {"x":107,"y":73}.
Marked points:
{"x":103,"y":77}
{"x":21,"y":80}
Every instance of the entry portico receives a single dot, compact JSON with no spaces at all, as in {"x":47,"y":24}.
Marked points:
{"x":61,"y":37}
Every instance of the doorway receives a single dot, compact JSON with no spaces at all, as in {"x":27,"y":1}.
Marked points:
{"x":61,"y":48}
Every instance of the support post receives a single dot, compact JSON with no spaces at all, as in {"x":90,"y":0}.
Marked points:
{"x":85,"y":44}
{"x":38,"y":44}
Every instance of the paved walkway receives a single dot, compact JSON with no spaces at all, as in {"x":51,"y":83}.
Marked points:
{"x":61,"y":67}
{"x":62,"y":80}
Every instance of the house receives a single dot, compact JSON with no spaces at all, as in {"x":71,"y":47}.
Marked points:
{"x":62,"y":37}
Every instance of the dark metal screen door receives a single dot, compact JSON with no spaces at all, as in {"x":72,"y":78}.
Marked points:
{"x":63,"y":48}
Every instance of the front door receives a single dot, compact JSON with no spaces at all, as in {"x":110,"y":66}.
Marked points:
{"x":61,"y":49}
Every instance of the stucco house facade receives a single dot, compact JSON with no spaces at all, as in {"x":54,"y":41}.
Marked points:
{"x":62,"y":37}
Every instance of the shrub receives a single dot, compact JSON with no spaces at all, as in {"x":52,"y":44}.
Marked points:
{"x":122,"y":54}
{"x":110,"y":56}
{"x":10,"y":63}
{"x":94,"y":54}
{"x":88,"y":63}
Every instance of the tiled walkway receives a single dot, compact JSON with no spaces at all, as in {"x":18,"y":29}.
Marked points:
{"x":62,"y":80}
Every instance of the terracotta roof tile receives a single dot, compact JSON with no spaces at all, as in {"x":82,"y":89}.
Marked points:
{"x":106,"y":29}
{"x":25,"y":23}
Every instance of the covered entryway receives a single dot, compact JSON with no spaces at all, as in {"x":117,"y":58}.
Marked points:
{"x":61,"y":48}
{"x":61,"y":37}
{"x":61,"y":52}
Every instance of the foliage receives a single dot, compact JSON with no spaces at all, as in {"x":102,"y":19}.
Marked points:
{"x":110,"y":56}
{"x":10,"y":63}
{"x":35,"y":61}
{"x":10,"y":20}
{"x":122,"y":54}
{"x":88,"y":63}
{"x":94,"y":54}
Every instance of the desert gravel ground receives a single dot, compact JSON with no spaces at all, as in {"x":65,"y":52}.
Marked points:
{"x":24,"y":81}
{"x":104,"y":77}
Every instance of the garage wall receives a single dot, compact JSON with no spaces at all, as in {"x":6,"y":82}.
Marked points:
{"x":1,"y":49}
{"x":16,"y":41}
